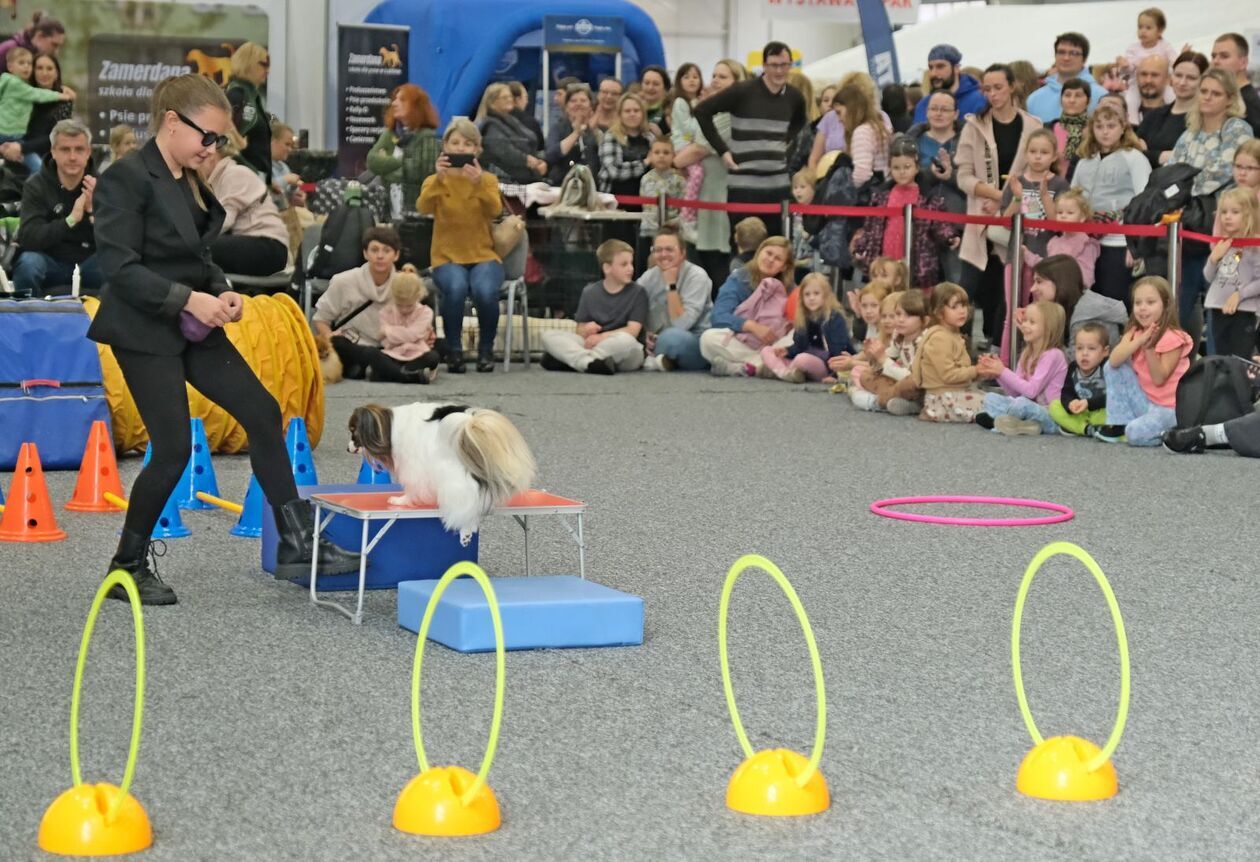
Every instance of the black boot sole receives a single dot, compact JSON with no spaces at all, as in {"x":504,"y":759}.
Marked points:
{"x":297,"y":571}
{"x":151,"y":601}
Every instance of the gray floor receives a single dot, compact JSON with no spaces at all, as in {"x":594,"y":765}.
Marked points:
{"x":274,"y":730}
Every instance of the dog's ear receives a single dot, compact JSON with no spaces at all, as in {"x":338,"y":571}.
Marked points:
{"x":371,"y":427}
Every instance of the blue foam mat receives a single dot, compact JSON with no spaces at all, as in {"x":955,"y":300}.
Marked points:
{"x":541,"y":612}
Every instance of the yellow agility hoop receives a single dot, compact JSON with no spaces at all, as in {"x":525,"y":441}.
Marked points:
{"x":478,"y":574}
{"x":744,"y":563}
{"x":118,"y":577}
{"x":1052,"y":550}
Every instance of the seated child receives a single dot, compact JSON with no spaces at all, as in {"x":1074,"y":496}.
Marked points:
{"x":942,"y":369}
{"x":864,"y":303}
{"x":407,"y":335}
{"x":611,"y":316}
{"x":1034,"y":383}
{"x":1083,"y":402}
{"x":856,"y":366}
{"x":1144,"y":369}
{"x":820,"y":332}
{"x":750,"y":233}
{"x":887,"y":384}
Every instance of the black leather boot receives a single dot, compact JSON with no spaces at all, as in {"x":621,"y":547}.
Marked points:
{"x":295,"y":524}
{"x":133,"y":557}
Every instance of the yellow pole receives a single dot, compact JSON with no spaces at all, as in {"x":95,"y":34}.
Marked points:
{"x":235,"y":508}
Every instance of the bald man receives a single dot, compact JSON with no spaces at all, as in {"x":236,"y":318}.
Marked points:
{"x":1152,"y":88}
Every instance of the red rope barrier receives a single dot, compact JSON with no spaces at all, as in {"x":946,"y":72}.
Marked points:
{"x":960,"y":218}
{"x":1239,"y":242}
{"x":1097,"y":228}
{"x":820,"y":209}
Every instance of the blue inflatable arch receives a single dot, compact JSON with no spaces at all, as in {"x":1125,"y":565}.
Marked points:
{"x":456,"y":45}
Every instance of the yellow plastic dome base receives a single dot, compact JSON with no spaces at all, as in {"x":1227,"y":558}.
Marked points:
{"x":765,"y":784}
{"x":1055,"y":769}
{"x":431,"y":804}
{"x":74,"y":824}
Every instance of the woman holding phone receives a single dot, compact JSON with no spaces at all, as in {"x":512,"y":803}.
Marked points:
{"x":163,"y":309}
{"x":464,"y":200}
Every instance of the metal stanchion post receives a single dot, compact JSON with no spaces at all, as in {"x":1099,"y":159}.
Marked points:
{"x":1174,"y":260}
{"x":661,"y":210}
{"x":909,"y":239}
{"x":1015,"y":253}
{"x":785,"y":214}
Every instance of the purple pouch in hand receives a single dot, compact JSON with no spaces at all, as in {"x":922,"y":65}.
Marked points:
{"x":192,"y":328}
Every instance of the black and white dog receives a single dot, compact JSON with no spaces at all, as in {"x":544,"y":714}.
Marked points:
{"x":467,"y":459}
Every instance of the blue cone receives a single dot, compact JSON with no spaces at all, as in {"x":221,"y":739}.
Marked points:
{"x":199,"y":474}
{"x":298,"y":446}
{"x":169,"y":524}
{"x":369,"y":475}
{"x":249,"y":526}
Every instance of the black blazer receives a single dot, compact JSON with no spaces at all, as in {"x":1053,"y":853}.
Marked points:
{"x":151,"y":255}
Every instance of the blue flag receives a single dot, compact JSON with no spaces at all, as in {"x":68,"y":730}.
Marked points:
{"x":877,"y":34}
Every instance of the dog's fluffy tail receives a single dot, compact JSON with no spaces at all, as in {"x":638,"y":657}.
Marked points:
{"x":496,"y":454}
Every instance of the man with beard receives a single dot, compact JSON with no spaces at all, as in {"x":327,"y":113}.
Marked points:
{"x":943,"y":74}
{"x":1152,"y":88}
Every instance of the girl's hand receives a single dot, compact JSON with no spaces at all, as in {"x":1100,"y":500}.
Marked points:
{"x":1019,"y":315}
{"x":1077,"y":406}
{"x":472,"y":170}
{"x":780,"y":352}
{"x":874,"y":348}
{"x":955,"y":241}
{"x":843,"y":362}
{"x":233,"y":303}
{"x":1231,"y":304}
{"x":852,"y":298}
{"x":1220,"y":250}
{"x":443,"y":163}
{"x":988,"y":207}
{"x":67,"y":94}
{"x":208,"y":309}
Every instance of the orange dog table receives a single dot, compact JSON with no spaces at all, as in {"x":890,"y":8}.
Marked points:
{"x":371,"y":506}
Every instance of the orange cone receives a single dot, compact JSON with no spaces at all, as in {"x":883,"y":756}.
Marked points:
{"x":28,"y":517}
{"x":98,"y":473}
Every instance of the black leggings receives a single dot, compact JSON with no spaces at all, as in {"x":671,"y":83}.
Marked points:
{"x":1234,"y":334}
{"x":217,"y":371}
{"x":249,"y":255}
{"x":390,"y":370}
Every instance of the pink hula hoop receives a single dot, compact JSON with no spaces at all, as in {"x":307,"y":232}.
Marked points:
{"x":1061,"y":513}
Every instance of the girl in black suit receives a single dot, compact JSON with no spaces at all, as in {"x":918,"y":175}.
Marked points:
{"x":162,"y":311}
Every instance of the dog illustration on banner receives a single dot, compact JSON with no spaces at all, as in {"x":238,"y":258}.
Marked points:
{"x":389,"y":56}
{"x":466,"y":458}
{"x":217,"y":69}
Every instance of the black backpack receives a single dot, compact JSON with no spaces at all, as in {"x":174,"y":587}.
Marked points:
{"x":1215,"y":389}
{"x":1167,"y":191}
{"x":341,"y":239}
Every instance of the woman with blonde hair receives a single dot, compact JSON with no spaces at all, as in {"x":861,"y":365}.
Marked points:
{"x":251,"y":63}
{"x":163,"y":310}
{"x":509,"y":149}
{"x":254,"y":240}
{"x":624,"y":151}
{"x":463,"y":201}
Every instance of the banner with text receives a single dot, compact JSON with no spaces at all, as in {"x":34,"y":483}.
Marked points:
{"x":123,"y":70}
{"x":371,"y":62}
{"x":837,"y":11}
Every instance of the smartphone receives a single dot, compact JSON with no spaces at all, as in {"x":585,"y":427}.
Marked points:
{"x":939,"y":159}
{"x":458,"y":160}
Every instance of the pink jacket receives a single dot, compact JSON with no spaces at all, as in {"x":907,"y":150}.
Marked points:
{"x":1044,"y":384}
{"x":766,"y":306}
{"x":406,"y":338}
{"x":1081,"y":246}
{"x":977,"y":162}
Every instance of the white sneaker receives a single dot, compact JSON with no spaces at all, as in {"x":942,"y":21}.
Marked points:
{"x":720,"y":367}
{"x":863,"y":400}
{"x":652,"y":363}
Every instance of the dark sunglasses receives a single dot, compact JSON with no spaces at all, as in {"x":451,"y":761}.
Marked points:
{"x":208,"y":139}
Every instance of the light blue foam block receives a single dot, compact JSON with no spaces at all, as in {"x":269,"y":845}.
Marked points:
{"x":543,"y":612}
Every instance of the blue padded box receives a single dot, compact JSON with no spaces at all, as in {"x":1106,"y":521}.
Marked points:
{"x":411,"y":550}
{"x":543,"y":612}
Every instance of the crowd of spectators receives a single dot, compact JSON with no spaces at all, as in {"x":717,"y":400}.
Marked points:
{"x":1060,"y":141}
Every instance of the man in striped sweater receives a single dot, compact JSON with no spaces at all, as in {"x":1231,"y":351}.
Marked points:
{"x":766,"y":113}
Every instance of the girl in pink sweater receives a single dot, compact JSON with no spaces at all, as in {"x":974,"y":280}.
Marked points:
{"x":1036,"y":381}
{"x":407,"y":336}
